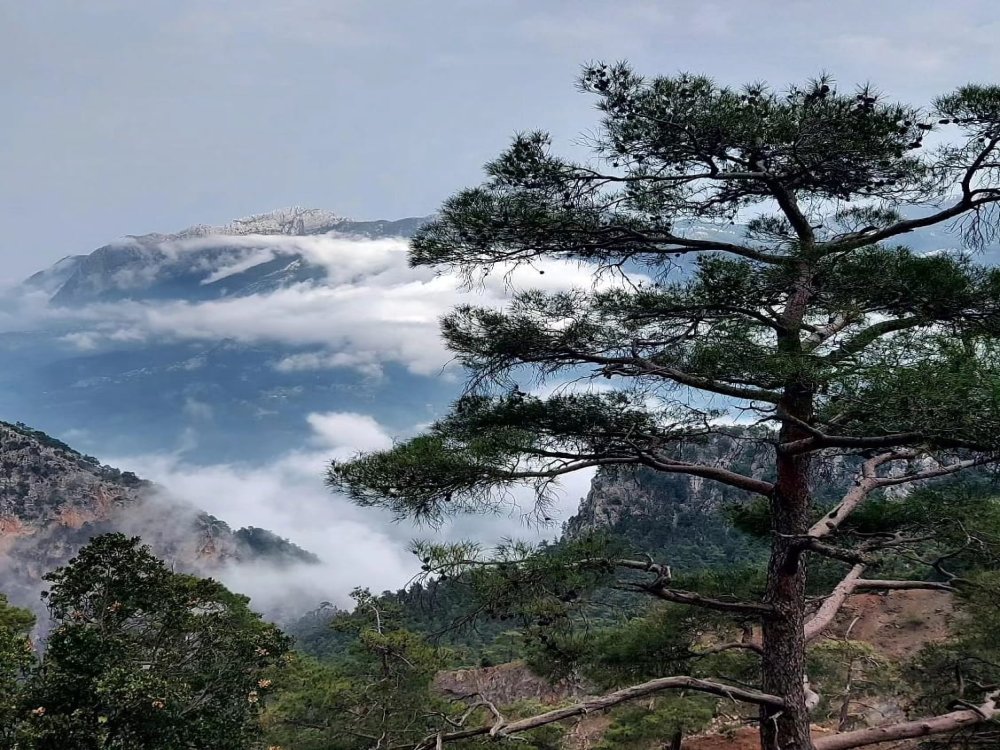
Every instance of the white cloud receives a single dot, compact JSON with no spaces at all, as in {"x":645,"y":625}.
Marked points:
{"x":197,"y":410}
{"x":362,"y":361}
{"x":358,"y":546}
{"x":83,"y":340}
{"x":245,"y":263}
{"x":372,"y":309}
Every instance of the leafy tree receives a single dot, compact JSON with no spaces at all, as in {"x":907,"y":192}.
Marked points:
{"x":810,"y":319}
{"x":142,"y":657}
{"x":17,"y":656}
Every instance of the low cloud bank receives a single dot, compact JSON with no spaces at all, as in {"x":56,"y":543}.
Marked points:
{"x":357,"y":546}
{"x":369,"y":308}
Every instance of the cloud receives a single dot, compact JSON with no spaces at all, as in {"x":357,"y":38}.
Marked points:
{"x":357,"y":546}
{"x":364,"y":362}
{"x":245,"y":263}
{"x":197,"y":410}
{"x":370,"y":309}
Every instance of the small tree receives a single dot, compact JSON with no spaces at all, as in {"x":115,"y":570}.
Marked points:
{"x":377,"y":694}
{"x":810,"y":320}
{"x":142,"y":657}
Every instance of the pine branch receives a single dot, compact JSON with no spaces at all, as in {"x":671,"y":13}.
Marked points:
{"x":717,"y":473}
{"x":680,"y":596}
{"x":966,"y":203}
{"x":871,"y":334}
{"x":825,"y":615}
{"x":638,"y":366}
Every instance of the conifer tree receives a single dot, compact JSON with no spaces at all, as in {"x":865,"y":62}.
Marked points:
{"x":803,"y":311}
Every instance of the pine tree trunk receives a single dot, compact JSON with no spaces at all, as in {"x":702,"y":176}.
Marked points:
{"x":783,"y":661}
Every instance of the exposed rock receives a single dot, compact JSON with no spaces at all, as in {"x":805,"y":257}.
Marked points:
{"x":644,"y":493}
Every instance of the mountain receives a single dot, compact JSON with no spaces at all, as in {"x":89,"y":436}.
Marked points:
{"x":53,"y":499}
{"x":246,"y":256}
{"x":91,"y":351}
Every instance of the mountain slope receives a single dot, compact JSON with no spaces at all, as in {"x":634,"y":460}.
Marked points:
{"x":53,"y":499}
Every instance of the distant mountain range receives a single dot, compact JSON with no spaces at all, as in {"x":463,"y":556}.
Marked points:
{"x":204,"y":262}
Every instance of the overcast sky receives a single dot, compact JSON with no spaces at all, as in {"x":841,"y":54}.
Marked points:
{"x":125,"y":117}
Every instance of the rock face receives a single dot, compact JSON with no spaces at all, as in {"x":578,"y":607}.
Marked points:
{"x":44,"y":482}
{"x":53,"y":499}
{"x":684,"y":521}
{"x":616,"y":496}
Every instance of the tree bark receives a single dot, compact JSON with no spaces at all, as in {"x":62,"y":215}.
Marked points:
{"x":784,"y":643}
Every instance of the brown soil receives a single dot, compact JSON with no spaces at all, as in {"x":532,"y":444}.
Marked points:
{"x":745,"y":738}
{"x":897,"y":623}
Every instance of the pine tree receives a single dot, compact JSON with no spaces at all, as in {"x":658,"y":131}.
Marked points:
{"x":810,"y":320}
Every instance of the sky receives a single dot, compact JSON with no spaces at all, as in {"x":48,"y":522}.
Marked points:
{"x":123,"y":117}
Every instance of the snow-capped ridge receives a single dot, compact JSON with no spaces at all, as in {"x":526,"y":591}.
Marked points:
{"x":291,"y":221}
{"x":258,"y":253}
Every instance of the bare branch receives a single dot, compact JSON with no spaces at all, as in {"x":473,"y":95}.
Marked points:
{"x":824,"y":333}
{"x":680,"y":596}
{"x":734,"y":646}
{"x":853,"y":583}
{"x":940,"y":471}
{"x":613,"y":699}
{"x":852,"y":556}
{"x":867,"y":482}
{"x":906,"y":730}
{"x":825,"y":615}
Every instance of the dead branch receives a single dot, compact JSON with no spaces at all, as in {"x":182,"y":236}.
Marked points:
{"x":607,"y":701}
{"x":925,"y":727}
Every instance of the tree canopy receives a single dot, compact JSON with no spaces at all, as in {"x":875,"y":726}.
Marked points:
{"x":142,"y":657}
